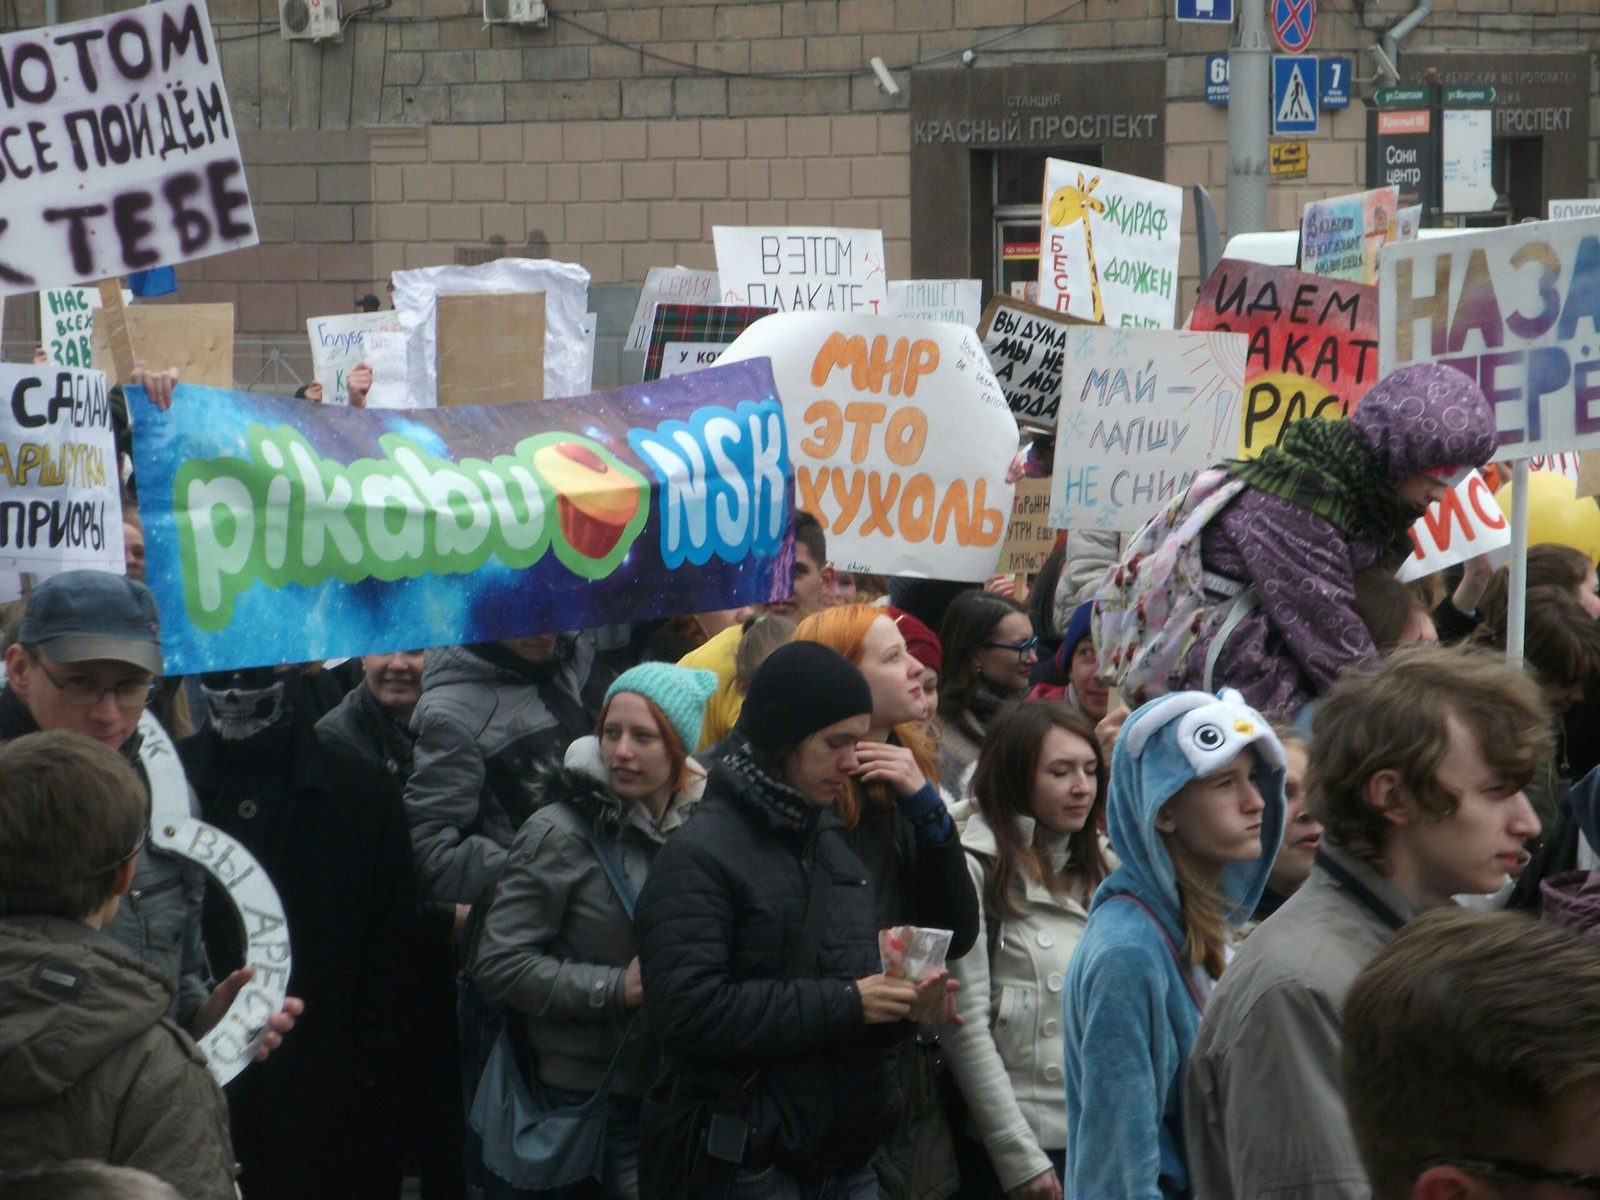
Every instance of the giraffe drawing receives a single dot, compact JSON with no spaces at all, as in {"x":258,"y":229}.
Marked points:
{"x":1071,"y":204}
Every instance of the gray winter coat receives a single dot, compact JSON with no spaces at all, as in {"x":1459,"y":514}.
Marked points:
{"x":90,"y":1066}
{"x":557,"y":941}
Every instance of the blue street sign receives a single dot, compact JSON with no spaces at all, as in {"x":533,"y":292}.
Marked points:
{"x":1216,"y":79}
{"x":1333,"y":83}
{"x":1294,"y":93}
{"x":1217,"y":11}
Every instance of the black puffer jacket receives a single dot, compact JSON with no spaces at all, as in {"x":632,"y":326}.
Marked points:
{"x":720,"y":914}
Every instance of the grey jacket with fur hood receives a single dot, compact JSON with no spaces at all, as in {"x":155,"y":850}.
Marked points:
{"x":557,"y":942}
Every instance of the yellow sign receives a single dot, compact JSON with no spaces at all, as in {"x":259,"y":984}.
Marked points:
{"x":1289,"y":159}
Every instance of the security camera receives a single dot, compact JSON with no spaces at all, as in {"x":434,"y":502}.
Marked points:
{"x":886,"y":81}
{"x":968,"y":57}
{"x":1385,"y":63}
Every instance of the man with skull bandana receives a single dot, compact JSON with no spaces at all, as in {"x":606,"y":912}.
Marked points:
{"x":318,"y":1119}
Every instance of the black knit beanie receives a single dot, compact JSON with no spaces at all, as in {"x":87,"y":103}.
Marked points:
{"x":801,"y":688}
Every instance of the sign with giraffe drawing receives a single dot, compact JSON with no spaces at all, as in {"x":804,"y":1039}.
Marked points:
{"x":1109,"y":246}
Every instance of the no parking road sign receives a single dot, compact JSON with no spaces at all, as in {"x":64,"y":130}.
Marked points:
{"x":1293,"y":23}
{"x":1294,"y":93}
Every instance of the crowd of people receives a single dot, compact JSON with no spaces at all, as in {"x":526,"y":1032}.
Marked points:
{"x":1314,"y":919}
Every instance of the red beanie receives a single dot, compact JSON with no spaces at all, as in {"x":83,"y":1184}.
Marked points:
{"x":920,"y":640}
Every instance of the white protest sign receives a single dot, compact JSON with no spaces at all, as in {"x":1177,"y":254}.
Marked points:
{"x":1466,"y":523}
{"x":1562,"y":210}
{"x":119,"y":148}
{"x":959,"y":301}
{"x":339,"y":342}
{"x":800,"y":269}
{"x":1561,"y":464}
{"x":59,"y":504}
{"x":682,"y":358}
{"x":1026,"y":344}
{"x":1516,"y":309}
{"x":1142,"y":413}
{"x":667,"y":285}
{"x":900,"y":438}
{"x":385,"y":353}
{"x":1109,"y":246}
{"x":66,"y":324}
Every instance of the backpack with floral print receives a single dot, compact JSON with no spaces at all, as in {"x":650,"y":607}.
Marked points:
{"x":1152,"y":606}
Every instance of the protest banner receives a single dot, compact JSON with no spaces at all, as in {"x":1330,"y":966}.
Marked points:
{"x":1029,"y":536}
{"x":691,"y":337}
{"x":801,"y":269}
{"x":280,"y":531}
{"x":668,"y":285}
{"x":1563,"y":210}
{"x":491,"y":348}
{"x":1340,"y":237}
{"x":195,"y":338}
{"x":60,"y":508}
{"x":1025,"y":344}
{"x":1568,"y":465}
{"x":959,"y":301}
{"x":119,"y":147}
{"x":1142,"y":413}
{"x":901,"y":438}
{"x":1466,"y":523}
{"x":341,"y":341}
{"x":66,"y":324}
{"x":1516,"y":309}
{"x":1109,"y":250}
{"x":1313,"y":344}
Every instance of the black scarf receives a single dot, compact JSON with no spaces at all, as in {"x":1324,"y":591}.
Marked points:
{"x":779,"y":805}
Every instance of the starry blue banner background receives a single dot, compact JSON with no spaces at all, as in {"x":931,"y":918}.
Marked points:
{"x":332,"y":618}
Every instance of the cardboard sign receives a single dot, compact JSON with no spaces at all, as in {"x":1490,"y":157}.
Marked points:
{"x":901,"y":438}
{"x":1313,"y":344}
{"x":1025,"y":344}
{"x":1518,"y":310}
{"x":1142,"y":413}
{"x":119,"y":148}
{"x":959,"y":301}
{"x":339,"y":342}
{"x":1109,"y":250}
{"x":60,"y":508}
{"x":800,"y":269}
{"x":667,"y":285}
{"x":280,"y":531}
{"x":491,"y":348}
{"x":1029,"y":536}
{"x":1466,"y":523}
{"x":195,"y":338}
{"x":691,"y":337}
{"x":1340,"y":238}
{"x":66,"y":324}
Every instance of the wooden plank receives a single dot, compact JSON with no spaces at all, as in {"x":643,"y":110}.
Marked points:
{"x":195,"y":338}
{"x":118,"y":360}
{"x":491,"y":348}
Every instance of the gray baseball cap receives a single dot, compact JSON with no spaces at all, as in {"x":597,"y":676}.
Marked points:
{"x":83,"y":616}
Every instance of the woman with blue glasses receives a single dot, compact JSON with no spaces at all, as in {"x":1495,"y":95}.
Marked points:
{"x":989,"y":649}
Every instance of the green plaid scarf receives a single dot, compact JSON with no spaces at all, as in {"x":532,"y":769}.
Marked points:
{"x":1325,"y":467}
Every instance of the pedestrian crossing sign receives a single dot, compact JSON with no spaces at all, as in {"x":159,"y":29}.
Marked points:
{"x":1294,"y":93}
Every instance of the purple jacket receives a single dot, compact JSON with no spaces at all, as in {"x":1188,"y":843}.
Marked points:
{"x":1305,"y":630}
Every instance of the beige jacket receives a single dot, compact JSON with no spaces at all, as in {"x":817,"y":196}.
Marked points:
{"x":1007,"y":1055}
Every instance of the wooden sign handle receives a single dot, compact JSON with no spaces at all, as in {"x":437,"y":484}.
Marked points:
{"x":116,"y":319}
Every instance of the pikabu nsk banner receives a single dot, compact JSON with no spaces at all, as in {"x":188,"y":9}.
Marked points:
{"x":117,"y":148}
{"x":281,"y":531}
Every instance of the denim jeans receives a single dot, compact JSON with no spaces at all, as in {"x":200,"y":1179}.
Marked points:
{"x":619,"y":1176}
{"x":772,"y":1184}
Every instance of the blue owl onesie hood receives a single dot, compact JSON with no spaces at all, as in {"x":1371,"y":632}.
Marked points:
{"x":1128,"y":1013}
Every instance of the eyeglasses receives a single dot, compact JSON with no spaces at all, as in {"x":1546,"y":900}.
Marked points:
{"x":1023,"y":649}
{"x":1526,"y":1172}
{"x":82,"y":693}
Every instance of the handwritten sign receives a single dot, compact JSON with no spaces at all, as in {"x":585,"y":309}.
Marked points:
{"x":1313,"y":344}
{"x":800,"y":269}
{"x":66,"y":324}
{"x":1029,"y":536}
{"x":59,"y":503}
{"x":1466,"y":523}
{"x":1563,"y":210}
{"x":1025,"y":344}
{"x":119,"y":148}
{"x":1341,"y":237}
{"x":1518,"y":310}
{"x":1142,"y":413}
{"x":339,"y":342}
{"x":959,"y":301}
{"x":1109,"y":250}
{"x":691,"y":337}
{"x":280,"y":531}
{"x":667,"y":285}
{"x":901,"y":439}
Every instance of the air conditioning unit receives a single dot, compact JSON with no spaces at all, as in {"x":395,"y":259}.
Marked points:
{"x":305,"y":20}
{"x":515,"y":12}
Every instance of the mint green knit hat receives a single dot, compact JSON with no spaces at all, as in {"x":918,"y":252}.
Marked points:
{"x":679,"y":692}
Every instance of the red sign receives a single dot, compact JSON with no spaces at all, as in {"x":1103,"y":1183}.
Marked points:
{"x":1293,"y":23}
{"x":1020,"y":250}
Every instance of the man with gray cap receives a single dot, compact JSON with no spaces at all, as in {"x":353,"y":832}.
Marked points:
{"x":85,"y":658}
